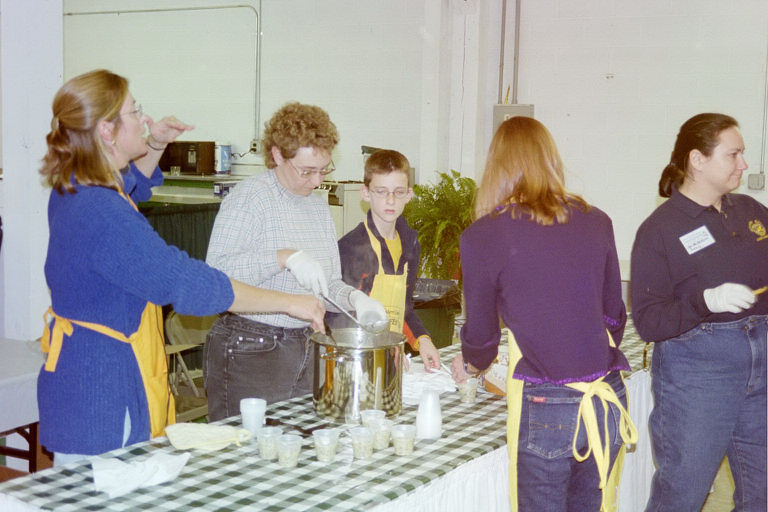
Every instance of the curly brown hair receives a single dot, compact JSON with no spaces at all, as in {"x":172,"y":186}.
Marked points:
{"x":76,"y":152}
{"x":295,"y":126}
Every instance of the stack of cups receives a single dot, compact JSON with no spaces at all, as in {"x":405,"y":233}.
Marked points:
{"x":252,"y":411}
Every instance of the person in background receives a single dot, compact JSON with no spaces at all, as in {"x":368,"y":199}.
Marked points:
{"x":104,"y":383}
{"x":272,"y":231}
{"x":544,"y":261}
{"x":381,"y":255}
{"x":698,"y":266}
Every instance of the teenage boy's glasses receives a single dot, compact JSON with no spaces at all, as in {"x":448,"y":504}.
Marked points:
{"x":305,"y":173}
{"x":383,"y":193}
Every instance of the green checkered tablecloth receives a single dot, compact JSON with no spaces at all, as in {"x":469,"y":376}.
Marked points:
{"x":236,"y":479}
{"x":638,"y":352}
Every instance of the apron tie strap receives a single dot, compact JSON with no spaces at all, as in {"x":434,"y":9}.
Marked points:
{"x":600,"y":446}
{"x":52,"y":341}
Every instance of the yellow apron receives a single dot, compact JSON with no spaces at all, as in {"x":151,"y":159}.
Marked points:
{"x":599,"y":448}
{"x":389,"y":289}
{"x":148,"y":344}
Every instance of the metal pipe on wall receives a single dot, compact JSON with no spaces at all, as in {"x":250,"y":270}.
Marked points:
{"x":516,"y":54}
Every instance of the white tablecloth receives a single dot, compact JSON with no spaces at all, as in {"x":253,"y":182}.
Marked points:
{"x":20,"y":363}
{"x":635,"y":484}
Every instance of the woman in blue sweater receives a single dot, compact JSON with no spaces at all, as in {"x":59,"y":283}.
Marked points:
{"x":104,"y":383}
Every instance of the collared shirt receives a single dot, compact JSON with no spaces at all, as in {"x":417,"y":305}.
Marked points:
{"x":258,"y":218}
{"x":557,"y":288}
{"x":683,"y":248}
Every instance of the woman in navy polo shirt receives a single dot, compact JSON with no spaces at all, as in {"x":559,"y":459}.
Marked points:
{"x":698,"y":265}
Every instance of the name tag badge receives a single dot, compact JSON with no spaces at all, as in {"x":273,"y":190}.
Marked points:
{"x":697,"y":240}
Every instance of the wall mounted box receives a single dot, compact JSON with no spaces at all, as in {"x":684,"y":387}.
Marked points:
{"x":503,"y":112}
{"x":189,"y":157}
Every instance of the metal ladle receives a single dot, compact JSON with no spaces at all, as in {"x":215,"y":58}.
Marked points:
{"x":372,"y":327}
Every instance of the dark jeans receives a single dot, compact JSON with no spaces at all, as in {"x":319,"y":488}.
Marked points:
{"x":709,"y":388}
{"x":549,"y":478}
{"x":243,"y":359}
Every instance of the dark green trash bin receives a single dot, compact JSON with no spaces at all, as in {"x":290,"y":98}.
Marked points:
{"x":437,"y":302}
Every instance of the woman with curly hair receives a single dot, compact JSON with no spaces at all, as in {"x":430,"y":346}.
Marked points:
{"x":273,"y":232}
{"x":104,"y":383}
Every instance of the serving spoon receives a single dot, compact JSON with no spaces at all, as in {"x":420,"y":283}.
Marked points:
{"x":372,"y":327}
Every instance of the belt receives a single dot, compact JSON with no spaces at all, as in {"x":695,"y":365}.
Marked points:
{"x":265,"y":329}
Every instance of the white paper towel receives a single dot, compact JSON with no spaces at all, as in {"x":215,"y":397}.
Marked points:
{"x":416,"y":378}
{"x":116,"y":477}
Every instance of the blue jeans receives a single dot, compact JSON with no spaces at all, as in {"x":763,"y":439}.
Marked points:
{"x":709,"y":401}
{"x":243,"y":359}
{"x":549,"y":479}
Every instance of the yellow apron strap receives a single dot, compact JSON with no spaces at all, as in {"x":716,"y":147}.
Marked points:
{"x":586,"y":414}
{"x":52,"y":341}
{"x":514,"y":410}
{"x":148,"y":345}
{"x":376,"y":245}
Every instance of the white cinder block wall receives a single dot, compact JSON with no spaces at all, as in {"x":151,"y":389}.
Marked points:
{"x":614,"y":80}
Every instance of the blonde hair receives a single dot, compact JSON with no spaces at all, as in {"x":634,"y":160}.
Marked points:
{"x":76,"y":152}
{"x":296,"y":126}
{"x":524,"y":175}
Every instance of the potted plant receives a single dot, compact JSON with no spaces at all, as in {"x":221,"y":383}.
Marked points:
{"x":440,"y":213}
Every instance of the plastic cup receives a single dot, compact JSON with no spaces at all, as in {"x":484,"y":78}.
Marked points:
{"x":370,"y":417}
{"x":468,"y":391}
{"x":382,"y":434}
{"x":288,"y":448}
{"x":362,"y":442}
{"x":402,"y":438}
{"x":267,"y":438}
{"x":252,"y":412}
{"x":326,"y":441}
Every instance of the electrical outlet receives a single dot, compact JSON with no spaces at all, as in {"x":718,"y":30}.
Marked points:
{"x":756,"y":181}
{"x":256,"y":146}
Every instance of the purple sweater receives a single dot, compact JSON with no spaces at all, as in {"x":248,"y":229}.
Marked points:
{"x":557,"y":288}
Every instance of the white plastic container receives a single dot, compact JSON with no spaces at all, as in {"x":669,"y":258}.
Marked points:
{"x":222,"y":157}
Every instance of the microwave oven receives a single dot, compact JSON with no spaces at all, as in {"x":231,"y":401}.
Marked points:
{"x":189,"y":157}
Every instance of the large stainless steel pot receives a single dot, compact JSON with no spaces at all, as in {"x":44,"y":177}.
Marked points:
{"x":357,"y":370}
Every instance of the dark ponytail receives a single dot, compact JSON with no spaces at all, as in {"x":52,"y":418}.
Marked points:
{"x":671,"y":178}
{"x":699,"y":132}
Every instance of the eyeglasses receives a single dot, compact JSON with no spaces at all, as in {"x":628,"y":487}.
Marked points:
{"x":305,"y":173}
{"x":383,"y":193}
{"x":138,"y":111}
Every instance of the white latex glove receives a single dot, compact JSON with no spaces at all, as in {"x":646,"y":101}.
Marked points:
{"x":367,"y":309}
{"x":731,"y":297}
{"x":307,"y":272}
